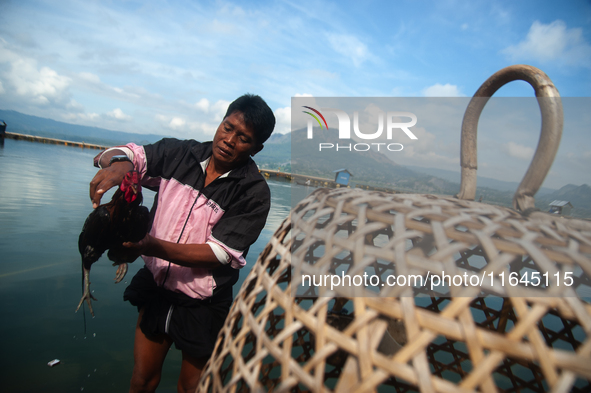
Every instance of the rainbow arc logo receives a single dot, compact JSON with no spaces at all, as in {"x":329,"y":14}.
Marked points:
{"x":314,"y":116}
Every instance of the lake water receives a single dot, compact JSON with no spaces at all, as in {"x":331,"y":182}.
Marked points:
{"x":43,"y":204}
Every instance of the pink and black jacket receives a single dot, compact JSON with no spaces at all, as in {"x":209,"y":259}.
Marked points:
{"x":230,"y":212}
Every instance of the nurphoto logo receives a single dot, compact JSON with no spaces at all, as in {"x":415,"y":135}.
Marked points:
{"x":393,"y":126}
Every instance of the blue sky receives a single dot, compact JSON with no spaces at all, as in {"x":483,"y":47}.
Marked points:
{"x":172,"y":67}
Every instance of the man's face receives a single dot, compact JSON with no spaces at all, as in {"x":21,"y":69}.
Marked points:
{"x":234,"y":142}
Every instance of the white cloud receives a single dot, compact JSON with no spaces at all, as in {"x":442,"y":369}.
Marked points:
{"x":93,"y":82}
{"x":439,"y":90}
{"x":89,"y":77}
{"x":203,"y":105}
{"x":283,"y":120}
{"x":518,"y":151}
{"x":219,"y":109}
{"x":40,"y":86}
{"x":27,"y":84}
{"x":349,"y":46}
{"x":426,"y":141}
{"x":89,"y":116}
{"x":184,"y":128}
{"x":207,"y":129}
{"x":80,"y":116}
{"x":118,"y":114}
{"x":177,"y":123}
{"x":75,"y":106}
{"x":552,"y":42}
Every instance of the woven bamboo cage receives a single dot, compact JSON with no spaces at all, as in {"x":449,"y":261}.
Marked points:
{"x":288,"y":332}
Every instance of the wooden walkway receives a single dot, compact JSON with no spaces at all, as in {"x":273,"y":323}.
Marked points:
{"x":42,"y":139}
{"x":301,"y":179}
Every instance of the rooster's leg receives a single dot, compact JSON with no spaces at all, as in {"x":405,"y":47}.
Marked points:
{"x":86,"y":295}
{"x":121,"y":272}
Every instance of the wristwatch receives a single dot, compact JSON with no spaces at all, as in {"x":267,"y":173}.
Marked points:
{"x":118,"y":158}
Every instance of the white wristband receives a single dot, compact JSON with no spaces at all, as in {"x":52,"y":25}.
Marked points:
{"x":128,"y":152}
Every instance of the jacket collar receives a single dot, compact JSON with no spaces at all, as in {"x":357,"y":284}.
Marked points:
{"x":203,"y":151}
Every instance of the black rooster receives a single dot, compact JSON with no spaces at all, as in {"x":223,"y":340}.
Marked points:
{"x":123,"y":219}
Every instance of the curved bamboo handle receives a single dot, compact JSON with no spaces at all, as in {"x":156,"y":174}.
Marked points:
{"x":552,"y":122}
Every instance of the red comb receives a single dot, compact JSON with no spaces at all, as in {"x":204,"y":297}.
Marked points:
{"x":131,"y":178}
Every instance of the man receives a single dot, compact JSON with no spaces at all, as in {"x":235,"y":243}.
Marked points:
{"x":211,"y":205}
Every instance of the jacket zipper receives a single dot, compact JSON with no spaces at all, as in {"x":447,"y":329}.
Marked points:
{"x":181,"y":235}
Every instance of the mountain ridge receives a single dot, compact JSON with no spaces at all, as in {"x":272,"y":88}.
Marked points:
{"x":40,"y":126}
{"x":482,"y":181}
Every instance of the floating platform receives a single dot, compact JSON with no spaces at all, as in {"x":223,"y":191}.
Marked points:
{"x":313,"y":181}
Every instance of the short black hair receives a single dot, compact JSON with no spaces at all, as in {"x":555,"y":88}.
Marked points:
{"x":257,"y":115}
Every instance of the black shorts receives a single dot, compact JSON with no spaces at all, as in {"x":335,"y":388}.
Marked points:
{"x":192,"y":324}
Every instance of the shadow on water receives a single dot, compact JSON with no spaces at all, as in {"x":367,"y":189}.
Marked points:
{"x":43,"y":204}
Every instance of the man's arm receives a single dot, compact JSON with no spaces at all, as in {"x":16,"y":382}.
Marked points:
{"x":189,"y":255}
{"x":108,"y":177}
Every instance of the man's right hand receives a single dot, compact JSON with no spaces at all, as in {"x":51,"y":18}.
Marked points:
{"x":107,"y":178}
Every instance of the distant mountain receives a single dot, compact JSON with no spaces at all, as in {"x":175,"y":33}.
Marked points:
{"x":578,"y":196}
{"x":276,"y":139}
{"x":485,"y":182}
{"x":276,"y":153}
{"x":367,"y":167}
{"x":39,"y":126}
{"x":373,"y":168}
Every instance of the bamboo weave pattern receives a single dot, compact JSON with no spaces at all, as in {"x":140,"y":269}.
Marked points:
{"x":456,"y":338}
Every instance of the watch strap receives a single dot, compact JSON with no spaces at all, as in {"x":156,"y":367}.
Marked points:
{"x":118,"y":158}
